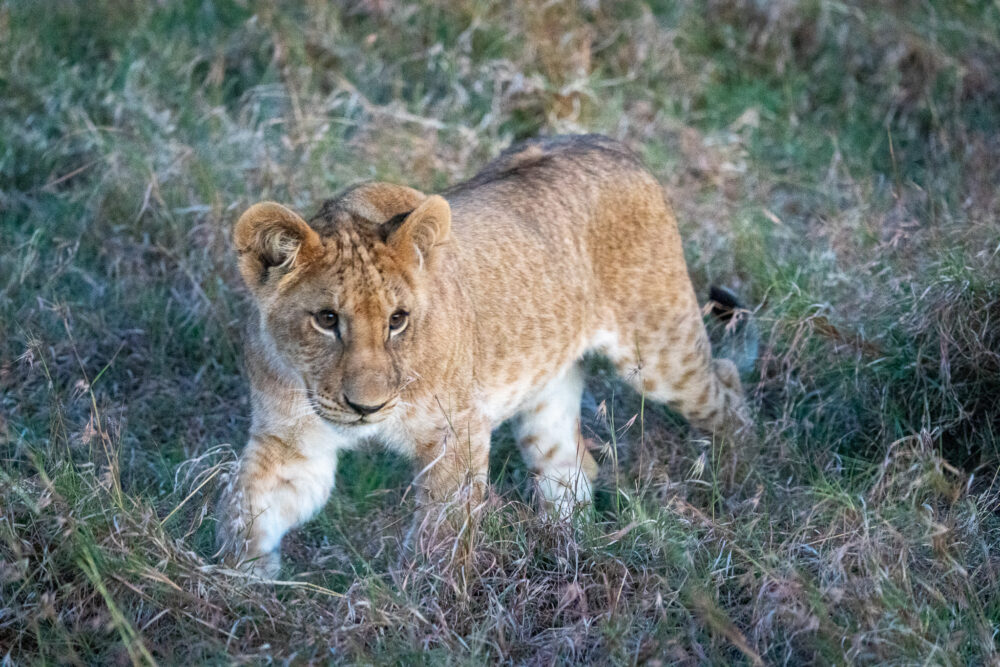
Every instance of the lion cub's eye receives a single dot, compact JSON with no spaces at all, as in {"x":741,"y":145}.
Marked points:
{"x":397,"y":321}
{"x":326,"y":319}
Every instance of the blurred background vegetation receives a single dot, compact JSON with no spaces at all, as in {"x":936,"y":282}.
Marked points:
{"x":838,"y":163}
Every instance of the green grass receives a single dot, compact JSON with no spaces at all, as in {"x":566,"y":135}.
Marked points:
{"x":835,"y":162}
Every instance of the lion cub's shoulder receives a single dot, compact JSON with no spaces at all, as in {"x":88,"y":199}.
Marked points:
{"x":580,"y":146}
{"x":539,"y":159}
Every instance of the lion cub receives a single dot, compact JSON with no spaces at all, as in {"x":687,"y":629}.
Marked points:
{"x":424,"y":321}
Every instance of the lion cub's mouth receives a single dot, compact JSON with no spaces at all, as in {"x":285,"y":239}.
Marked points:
{"x":342,"y":415}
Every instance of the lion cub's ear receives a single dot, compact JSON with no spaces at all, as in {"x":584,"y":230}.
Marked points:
{"x":415,"y":235}
{"x":269,"y":236}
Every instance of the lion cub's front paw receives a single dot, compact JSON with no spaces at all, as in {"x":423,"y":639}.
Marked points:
{"x":238,"y":549}
{"x":563,"y":495}
{"x":239,"y":557}
{"x":265,"y":566}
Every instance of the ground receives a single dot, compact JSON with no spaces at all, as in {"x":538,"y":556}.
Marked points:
{"x":836,"y":163}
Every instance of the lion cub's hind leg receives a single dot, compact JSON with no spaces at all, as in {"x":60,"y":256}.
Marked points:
{"x":548,"y":434}
{"x":672,"y":363}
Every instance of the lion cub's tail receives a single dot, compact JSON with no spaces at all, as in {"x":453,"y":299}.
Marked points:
{"x":734,"y":331}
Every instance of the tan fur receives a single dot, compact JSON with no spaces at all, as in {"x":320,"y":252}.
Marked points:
{"x":559,"y":247}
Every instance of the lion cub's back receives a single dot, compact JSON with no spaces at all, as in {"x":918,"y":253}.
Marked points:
{"x":531,"y":157}
{"x":580,"y":207}
{"x":588,"y":182}
{"x":549,"y":165}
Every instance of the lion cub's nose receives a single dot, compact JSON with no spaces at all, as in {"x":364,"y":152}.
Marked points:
{"x":364,"y":409}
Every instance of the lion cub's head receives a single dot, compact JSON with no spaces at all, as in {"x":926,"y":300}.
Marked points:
{"x":344,"y":299}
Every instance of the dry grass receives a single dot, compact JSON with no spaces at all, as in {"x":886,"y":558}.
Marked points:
{"x":837,"y":163}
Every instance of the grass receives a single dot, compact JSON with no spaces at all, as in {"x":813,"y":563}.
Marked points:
{"x":835,"y":162}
